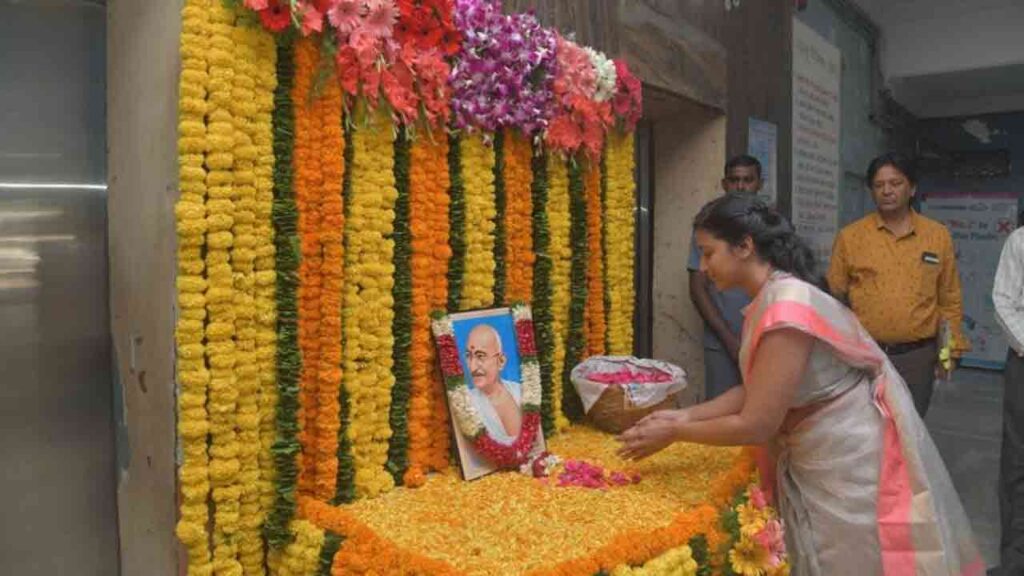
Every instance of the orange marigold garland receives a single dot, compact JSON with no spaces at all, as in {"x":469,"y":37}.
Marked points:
{"x":518,"y":217}
{"x":595,"y":312}
{"x":332,"y":222}
{"x":308,"y":181}
{"x":428,"y":217}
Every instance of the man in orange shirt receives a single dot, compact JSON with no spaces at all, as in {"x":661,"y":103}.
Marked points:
{"x":897,"y":271}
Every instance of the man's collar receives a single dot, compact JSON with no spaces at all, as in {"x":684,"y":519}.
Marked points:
{"x":880,"y":223}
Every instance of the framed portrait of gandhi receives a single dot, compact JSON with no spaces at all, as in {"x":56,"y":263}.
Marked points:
{"x":488,"y":360}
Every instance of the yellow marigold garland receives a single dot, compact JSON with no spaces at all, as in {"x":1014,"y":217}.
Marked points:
{"x":308,"y":180}
{"x":676,"y":562}
{"x":247,"y":240}
{"x":518,"y":220}
{"x":619,"y":224}
{"x":193,"y":376}
{"x":265,"y":265}
{"x":301,"y":557}
{"x":559,"y":223}
{"x":368,"y":302}
{"x":428,"y":217}
{"x":220,"y":296}
{"x":478,"y":176}
{"x":595,"y":312}
{"x":332,"y":224}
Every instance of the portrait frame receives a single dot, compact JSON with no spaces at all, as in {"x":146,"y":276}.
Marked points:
{"x":488,"y":362}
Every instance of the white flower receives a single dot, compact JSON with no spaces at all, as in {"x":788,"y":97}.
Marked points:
{"x":466,"y":418}
{"x":606,"y":76}
{"x":442,"y":326}
{"x":531,"y":383}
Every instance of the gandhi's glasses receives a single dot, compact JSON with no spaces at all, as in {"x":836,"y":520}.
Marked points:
{"x":480,"y":356}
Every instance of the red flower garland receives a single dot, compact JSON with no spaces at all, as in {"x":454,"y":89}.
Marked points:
{"x":510,"y":456}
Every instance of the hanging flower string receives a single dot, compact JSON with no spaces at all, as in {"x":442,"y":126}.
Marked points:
{"x":541,"y":289}
{"x":308,"y":181}
{"x":332,"y":224}
{"x":428,"y":215}
{"x":285,"y":447}
{"x":560,"y":250}
{"x":401,"y":327}
{"x":595,"y":312}
{"x":477,"y":171}
{"x":619,"y":217}
{"x":222,"y":402}
{"x":368,"y":306}
{"x":518,"y":218}
{"x":192,"y":374}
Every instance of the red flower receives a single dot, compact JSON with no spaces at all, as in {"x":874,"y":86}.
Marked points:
{"x":628,"y":99}
{"x":448,"y":356}
{"x":524,"y":335}
{"x":276,"y":16}
{"x":348,"y":69}
{"x":510,"y":456}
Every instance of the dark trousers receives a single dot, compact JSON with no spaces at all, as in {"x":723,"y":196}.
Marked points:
{"x":1011,"y":469}
{"x":917,"y":368}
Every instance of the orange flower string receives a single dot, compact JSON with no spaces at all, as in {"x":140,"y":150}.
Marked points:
{"x":518,"y":217}
{"x":428,"y":216}
{"x":308,"y":178}
{"x":595,"y":313}
{"x":332,"y":223}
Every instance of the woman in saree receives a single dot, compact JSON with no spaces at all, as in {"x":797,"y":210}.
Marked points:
{"x":858,"y":481}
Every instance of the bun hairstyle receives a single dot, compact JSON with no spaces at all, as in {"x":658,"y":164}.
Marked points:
{"x":737,"y":215}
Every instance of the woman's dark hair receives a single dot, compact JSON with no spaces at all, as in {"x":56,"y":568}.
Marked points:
{"x":737,"y":215}
{"x":901,"y":162}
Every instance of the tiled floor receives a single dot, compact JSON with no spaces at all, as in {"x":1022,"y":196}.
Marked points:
{"x":965,"y":421}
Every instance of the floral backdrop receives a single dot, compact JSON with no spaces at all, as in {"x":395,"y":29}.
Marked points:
{"x":346,"y":169}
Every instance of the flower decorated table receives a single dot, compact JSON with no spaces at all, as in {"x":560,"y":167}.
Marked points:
{"x":511,"y":523}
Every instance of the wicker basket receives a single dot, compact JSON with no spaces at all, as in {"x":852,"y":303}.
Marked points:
{"x":612,"y":412}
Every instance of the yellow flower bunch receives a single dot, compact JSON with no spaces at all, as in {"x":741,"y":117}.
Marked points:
{"x":368,"y":306}
{"x":265,"y":265}
{"x":619,"y":214}
{"x":246,"y":109}
{"x":559,"y":222}
{"x":676,"y":562}
{"x":190,"y":212}
{"x":302,"y":556}
{"x":220,"y":295}
{"x":478,"y":176}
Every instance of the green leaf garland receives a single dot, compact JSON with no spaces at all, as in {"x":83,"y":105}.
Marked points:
{"x":457,"y":223}
{"x":541,"y":305}
{"x":285,"y":216}
{"x":576,"y":343}
{"x":345,"y":486}
{"x":500,"y":206}
{"x":401,"y":325}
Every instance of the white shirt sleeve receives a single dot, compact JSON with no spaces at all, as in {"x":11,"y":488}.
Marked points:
{"x":1008,"y":291}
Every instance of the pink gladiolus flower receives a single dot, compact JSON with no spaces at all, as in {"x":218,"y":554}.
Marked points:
{"x":344,"y":16}
{"x":312,"y":20}
{"x":257,"y":4}
{"x":758,"y":498}
{"x":380,"y":18}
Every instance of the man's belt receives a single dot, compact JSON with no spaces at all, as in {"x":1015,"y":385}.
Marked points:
{"x":904,"y":347}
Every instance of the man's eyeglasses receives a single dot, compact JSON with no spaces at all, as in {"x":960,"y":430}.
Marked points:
{"x":480,"y":356}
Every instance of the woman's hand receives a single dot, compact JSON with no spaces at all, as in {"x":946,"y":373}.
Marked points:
{"x":652,"y":434}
